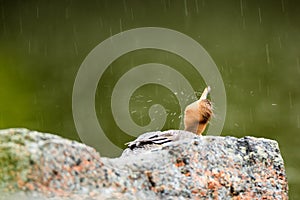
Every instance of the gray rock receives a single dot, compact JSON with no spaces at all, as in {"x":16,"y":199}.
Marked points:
{"x":158,"y":165}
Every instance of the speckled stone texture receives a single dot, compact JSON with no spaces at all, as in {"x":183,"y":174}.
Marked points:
{"x":35,"y":165}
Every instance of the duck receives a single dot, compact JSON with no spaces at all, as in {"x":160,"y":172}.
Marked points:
{"x":197,"y":116}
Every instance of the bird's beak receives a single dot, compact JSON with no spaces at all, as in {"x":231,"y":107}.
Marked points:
{"x":205,"y":93}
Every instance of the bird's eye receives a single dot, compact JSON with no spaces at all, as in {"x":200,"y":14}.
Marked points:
{"x":207,"y":102}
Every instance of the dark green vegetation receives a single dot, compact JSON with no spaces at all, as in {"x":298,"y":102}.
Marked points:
{"x":255,"y":45}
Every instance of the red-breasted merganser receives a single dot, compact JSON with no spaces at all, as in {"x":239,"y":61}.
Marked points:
{"x":196,"y":117}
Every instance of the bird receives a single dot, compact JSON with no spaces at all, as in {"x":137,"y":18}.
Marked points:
{"x":196,"y":118}
{"x":198,"y":114}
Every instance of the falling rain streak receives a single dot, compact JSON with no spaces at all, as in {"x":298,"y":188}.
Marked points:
{"x":282,"y":6}
{"x":197,"y":6}
{"x":244,"y":23}
{"x":279,"y":41}
{"x":251,"y":116}
{"x":242,"y":14}
{"x":75,"y":48}
{"x":185,"y":8}
{"x":259,"y":85}
{"x":268,"y":53}
{"x":75,"y":32}
{"x":2,"y":12}
{"x":259,"y":15}
{"x":132,"y":15}
{"x":29,"y":47}
{"x":45,"y":50}
{"x":100,"y":22}
{"x":241,"y":6}
{"x":121,"y":25}
{"x":3,"y":19}
{"x":21,"y":26}
{"x":298,"y":65}
{"x":141,"y":117}
{"x":37,"y":12}
{"x":164,"y":5}
{"x":203,"y":3}
{"x":67,"y":13}
{"x":125,"y":6}
{"x":75,"y":39}
{"x":290,"y":100}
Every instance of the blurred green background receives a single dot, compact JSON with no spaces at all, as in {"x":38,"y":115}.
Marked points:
{"x":255,"y":44}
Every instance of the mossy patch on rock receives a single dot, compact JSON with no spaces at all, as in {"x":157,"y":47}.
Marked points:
{"x":14,"y":159}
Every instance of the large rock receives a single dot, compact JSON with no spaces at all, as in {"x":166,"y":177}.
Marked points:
{"x":38,"y":165}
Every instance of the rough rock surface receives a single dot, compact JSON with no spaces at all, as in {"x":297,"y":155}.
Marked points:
{"x":38,"y":165}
